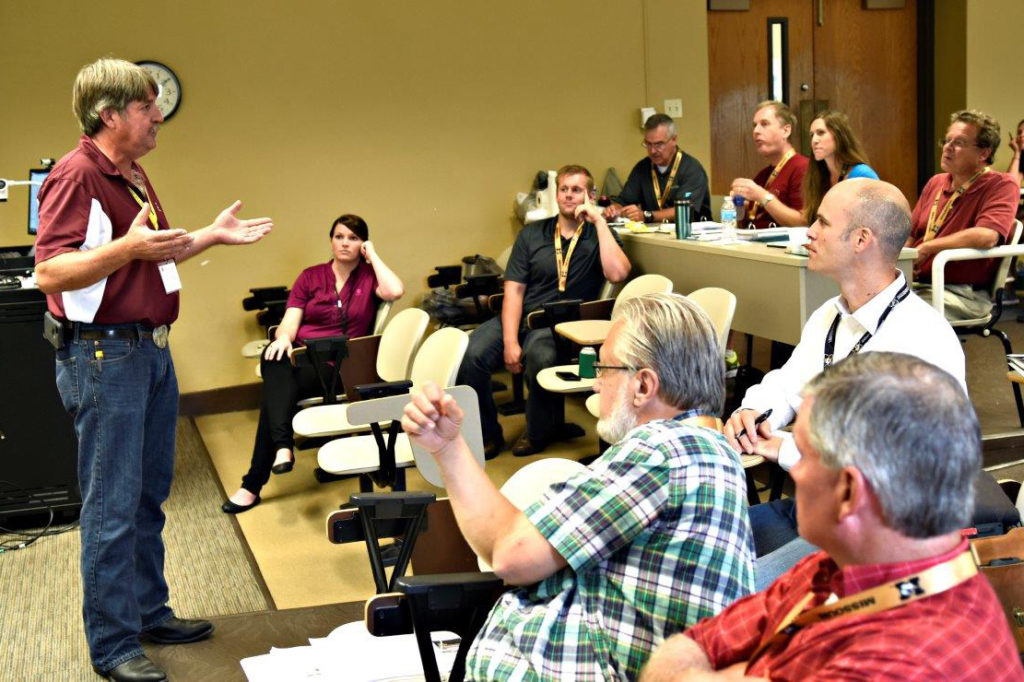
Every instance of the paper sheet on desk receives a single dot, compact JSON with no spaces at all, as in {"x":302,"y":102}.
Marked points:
{"x":349,"y":654}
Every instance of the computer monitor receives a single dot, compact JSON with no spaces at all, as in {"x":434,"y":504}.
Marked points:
{"x":36,"y":177}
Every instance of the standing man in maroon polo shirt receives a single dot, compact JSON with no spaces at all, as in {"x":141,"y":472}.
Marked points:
{"x":967,"y":206}
{"x":105,"y":257}
{"x":774,"y":195}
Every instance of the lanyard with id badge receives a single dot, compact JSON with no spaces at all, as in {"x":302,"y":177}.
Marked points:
{"x":168,"y":269}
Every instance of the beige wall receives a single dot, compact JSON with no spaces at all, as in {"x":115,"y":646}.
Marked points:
{"x":995,"y":73}
{"x":950,"y":65}
{"x":425,"y":118}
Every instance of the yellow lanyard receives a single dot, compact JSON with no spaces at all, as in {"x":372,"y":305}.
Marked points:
{"x":771,"y":178}
{"x":935,"y":223}
{"x":668,"y":185}
{"x":890,"y":595}
{"x":139,"y":200}
{"x":563,"y":267}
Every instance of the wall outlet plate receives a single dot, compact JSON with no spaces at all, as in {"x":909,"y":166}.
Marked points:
{"x":674,"y":108}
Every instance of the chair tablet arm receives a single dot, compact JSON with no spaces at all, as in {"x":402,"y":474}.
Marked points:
{"x":383,"y":389}
{"x":944,"y":257}
{"x":445,"y":276}
{"x":597,"y":310}
{"x":455,"y":584}
{"x":261,"y":295}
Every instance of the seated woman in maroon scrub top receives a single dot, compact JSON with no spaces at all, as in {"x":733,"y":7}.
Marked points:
{"x":337,"y":297}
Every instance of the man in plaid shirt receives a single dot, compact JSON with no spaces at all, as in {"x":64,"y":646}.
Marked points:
{"x":890,"y":447}
{"x":648,"y":540}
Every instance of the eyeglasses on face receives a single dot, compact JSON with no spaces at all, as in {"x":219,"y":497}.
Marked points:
{"x":601,"y":369}
{"x":651,"y":146}
{"x":957,"y":143}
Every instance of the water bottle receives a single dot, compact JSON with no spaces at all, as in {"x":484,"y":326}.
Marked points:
{"x":683,"y":217}
{"x":728,"y":221}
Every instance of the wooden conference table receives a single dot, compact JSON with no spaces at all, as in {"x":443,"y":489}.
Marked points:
{"x":775,"y":292}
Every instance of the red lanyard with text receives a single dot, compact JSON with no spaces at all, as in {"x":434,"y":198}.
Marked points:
{"x":830,"y":338}
{"x":890,"y":595}
{"x":658,"y":196}
{"x":771,"y":178}
{"x":563,"y":267}
{"x":935,"y":223}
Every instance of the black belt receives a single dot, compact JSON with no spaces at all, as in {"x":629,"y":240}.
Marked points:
{"x":84,"y":332}
{"x":100,"y":333}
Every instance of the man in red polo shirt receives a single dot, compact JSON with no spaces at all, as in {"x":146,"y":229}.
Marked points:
{"x":774,"y":195}
{"x":890,"y":447}
{"x":105,"y":257}
{"x":967,"y":206}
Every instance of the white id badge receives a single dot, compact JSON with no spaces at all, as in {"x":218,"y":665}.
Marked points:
{"x":169,"y":275}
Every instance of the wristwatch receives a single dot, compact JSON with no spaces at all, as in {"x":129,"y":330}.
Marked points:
{"x":648,"y":216}
{"x":768,"y":198}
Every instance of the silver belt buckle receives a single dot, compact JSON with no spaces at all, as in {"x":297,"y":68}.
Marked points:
{"x":160,"y":336}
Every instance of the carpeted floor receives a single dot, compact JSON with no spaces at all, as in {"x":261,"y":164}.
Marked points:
{"x":208,"y":568}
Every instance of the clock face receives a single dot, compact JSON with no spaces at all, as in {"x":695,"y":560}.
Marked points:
{"x":168,"y":99}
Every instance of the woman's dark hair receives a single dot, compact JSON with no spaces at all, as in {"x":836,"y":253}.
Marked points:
{"x":354,"y":223}
{"x":848,"y":153}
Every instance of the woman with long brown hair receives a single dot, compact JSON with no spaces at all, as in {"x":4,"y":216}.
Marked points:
{"x":838,"y":156}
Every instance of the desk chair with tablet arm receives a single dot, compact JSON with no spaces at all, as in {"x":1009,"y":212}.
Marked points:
{"x":382,"y":457}
{"x":983,"y":326}
{"x":371,"y":359}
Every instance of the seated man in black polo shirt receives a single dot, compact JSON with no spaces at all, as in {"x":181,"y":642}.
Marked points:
{"x":565,"y":257}
{"x":667,"y":173}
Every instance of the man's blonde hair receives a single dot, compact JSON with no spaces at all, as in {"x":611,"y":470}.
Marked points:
{"x":108,"y":84}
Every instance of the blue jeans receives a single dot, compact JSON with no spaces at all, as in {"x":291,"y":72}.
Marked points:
{"x":545,"y":411}
{"x":125,"y":409}
{"x":773,"y":524}
{"x":769,"y":567}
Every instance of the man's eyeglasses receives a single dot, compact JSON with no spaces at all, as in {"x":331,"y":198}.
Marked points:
{"x":651,"y":146}
{"x":956,"y":143}
{"x":601,"y":369}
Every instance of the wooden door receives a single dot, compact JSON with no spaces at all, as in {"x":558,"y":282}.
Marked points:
{"x":738,"y":58}
{"x":841,"y":56}
{"x":865,"y":65}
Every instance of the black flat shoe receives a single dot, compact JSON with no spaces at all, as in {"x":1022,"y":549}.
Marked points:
{"x":230,"y":507}
{"x":283,"y":467}
{"x":138,"y":669}
{"x":179,"y":631}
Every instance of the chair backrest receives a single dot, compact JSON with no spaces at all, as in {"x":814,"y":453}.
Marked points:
{"x":1003,"y":271}
{"x":502,"y":259}
{"x":644,"y":284}
{"x":527,"y":485}
{"x":720,"y":305}
{"x":439,"y":358}
{"x":381,"y":318}
{"x":398,"y":343}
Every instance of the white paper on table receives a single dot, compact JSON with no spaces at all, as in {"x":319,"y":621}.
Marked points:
{"x":349,"y":653}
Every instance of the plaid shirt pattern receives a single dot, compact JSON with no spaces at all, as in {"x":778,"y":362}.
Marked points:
{"x":656,"y":537}
{"x":959,"y":634}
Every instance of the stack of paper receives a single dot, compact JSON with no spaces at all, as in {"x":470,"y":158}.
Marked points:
{"x":352,"y":654}
{"x":1016,"y":363}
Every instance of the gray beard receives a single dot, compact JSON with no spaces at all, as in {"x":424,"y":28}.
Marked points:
{"x":621,"y":421}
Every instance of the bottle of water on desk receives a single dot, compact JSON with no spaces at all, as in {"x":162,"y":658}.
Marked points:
{"x":728,"y":221}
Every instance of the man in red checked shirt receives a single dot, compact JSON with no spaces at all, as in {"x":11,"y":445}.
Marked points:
{"x":890,"y":446}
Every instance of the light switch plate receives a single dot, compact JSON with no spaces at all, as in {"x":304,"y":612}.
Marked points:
{"x":674,"y":108}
